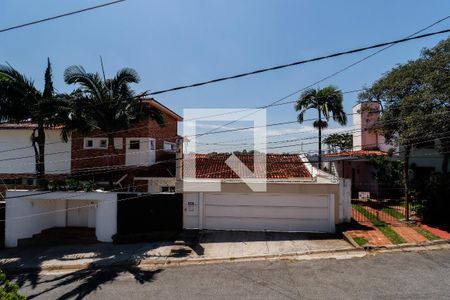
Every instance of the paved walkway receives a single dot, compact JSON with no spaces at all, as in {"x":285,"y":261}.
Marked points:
{"x":209,"y":245}
{"x":443,"y":234}
{"x":407,"y":233}
{"x":369,"y":232}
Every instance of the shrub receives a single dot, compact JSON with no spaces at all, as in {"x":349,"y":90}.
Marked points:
{"x":9,"y":290}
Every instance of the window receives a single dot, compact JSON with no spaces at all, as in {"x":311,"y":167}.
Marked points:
{"x":89,"y":144}
{"x":103,"y":143}
{"x":134,"y":144}
{"x":167,"y":189}
{"x":169,"y":146}
{"x":152,"y":145}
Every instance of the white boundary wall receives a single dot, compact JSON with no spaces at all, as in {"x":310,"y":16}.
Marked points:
{"x":30,"y":212}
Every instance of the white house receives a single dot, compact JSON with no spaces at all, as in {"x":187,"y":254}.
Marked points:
{"x":17,"y":158}
{"x":298,"y":197}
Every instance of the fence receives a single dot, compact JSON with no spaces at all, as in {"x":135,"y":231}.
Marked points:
{"x":389,"y":211}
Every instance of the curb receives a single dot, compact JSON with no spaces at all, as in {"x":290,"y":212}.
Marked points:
{"x":350,"y":240}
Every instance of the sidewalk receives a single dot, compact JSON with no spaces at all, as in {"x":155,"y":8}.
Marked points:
{"x":209,"y":246}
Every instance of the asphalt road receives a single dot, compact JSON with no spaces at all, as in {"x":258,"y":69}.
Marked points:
{"x":419,"y":275}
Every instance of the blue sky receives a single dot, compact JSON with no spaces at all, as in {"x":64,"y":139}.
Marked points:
{"x":172,"y":43}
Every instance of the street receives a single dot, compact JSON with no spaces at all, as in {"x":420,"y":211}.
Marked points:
{"x":408,"y":275}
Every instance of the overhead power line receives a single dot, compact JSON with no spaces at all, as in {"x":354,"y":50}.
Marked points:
{"x":300,"y":62}
{"x":345,"y":68}
{"x":60,"y":16}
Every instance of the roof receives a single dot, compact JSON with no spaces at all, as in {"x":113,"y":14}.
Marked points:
{"x":163,"y":108}
{"x":356,"y":153}
{"x":278,"y":166}
{"x":23,"y":125}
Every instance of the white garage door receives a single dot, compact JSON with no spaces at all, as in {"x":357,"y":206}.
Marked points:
{"x":278,"y":212}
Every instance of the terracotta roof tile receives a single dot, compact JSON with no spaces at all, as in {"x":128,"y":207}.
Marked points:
{"x":356,"y":153}
{"x":278,"y":166}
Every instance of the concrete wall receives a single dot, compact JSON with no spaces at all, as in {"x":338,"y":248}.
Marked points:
{"x":30,"y":212}
{"x":57,"y":153}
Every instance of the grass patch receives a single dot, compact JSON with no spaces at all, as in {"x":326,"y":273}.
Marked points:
{"x":393,"y":213}
{"x":393,"y":236}
{"x":428,"y":235}
{"x":360,"y":240}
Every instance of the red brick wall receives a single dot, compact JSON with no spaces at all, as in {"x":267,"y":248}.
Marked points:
{"x":97,"y":158}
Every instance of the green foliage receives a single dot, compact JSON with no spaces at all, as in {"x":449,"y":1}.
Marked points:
{"x":328,"y":100}
{"x":106,"y":104}
{"x":339,"y":141}
{"x":428,"y":235}
{"x":431,"y":198}
{"x":9,"y":290}
{"x":416,"y":100}
{"x":21,"y":101}
{"x":393,"y":212}
{"x":71,"y":184}
{"x":388,"y":172}
{"x":360,"y":240}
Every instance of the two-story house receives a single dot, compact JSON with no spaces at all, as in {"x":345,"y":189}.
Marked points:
{"x":146,"y":151}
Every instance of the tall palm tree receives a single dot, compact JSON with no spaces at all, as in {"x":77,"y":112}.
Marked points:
{"x":21,"y":101}
{"x":328,"y":103}
{"x":109,"y":105}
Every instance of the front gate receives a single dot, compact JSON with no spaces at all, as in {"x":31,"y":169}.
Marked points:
{"x":144,"y":213}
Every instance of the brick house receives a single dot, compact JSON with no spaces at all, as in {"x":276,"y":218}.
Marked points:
{"x":87,"y":157}
{"x":136,"y":149}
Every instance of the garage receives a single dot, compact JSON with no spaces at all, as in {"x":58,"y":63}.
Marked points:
{"x":297,"y":196}
{"x":261,"y":211}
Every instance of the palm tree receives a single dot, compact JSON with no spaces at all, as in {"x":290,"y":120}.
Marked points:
{"x":328,"y":103}
{"x":109,"y":105}
{"x":21,"y":101}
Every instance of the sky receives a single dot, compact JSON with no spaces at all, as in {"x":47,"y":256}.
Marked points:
{"x":172,"y":43}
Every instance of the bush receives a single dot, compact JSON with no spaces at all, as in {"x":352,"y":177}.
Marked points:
{"x":71,"y":185}
{"x":432,"y":198}
{"x":145,"y":237}
{"x":8,"y":290}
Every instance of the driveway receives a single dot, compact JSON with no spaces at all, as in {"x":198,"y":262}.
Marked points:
{"x":232,"y":244}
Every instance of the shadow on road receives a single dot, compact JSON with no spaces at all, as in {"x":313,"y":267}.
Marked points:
{"x":88,"y":280}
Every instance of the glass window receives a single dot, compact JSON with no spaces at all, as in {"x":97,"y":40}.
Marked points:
{"x":167,"y":189}
{"x":169,"y":146}
{"x":89,"y":144}
{"x":103,"y":143}
{"x":135,"y":144}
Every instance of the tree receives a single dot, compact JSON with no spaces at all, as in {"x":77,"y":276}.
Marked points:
{"x":21,"y":101}
{"x":328,"y":103}
{"x":109,"y":105}
{"x":416,"y":104}
{"x":339,"y":141}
